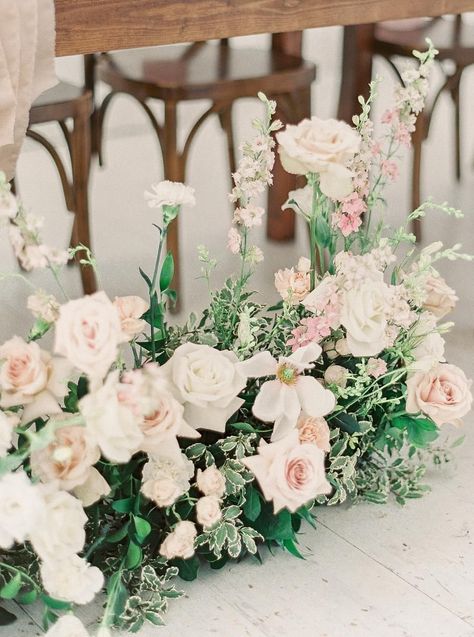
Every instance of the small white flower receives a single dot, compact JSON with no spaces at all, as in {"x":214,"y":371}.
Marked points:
{"x":208,"y":511}
{"x":170,"y":193}
{"x":211,"y":481}
{"x":43,"y":306}
{"x":67,"y":626}
{"x":21,"y":508}
{"x":282,"y":400}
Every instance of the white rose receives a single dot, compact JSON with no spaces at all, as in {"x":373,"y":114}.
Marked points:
{"x":93,"y":489}
{"x":324,"y":147}
{"x":180,"y":542}
{"x":61,"y":532}
{"x":7,"y":423}
{"x":166,"y":478}
{"x":208,"y":511}
{"x":31,"y":377}
{"x":21,"y":508}
{"x":113,"y":425}
{"x":364,"y":317}
{"x":71,"y":579}
{"x":211,"y":481}
{"x":88,"y":332}
{"x":207,"y":382}
{"x":170,"y":193}
{"x":67,"y":626}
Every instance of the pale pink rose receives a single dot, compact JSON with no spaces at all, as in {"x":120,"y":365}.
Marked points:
{"x":31,"y":377}
{"x":208,"y":511}
{"x":234,"y":240}
{"x":211,"y":481}
{"x":324,"y":147}
{"x":440,"y":298}
{"x":130,"y":310}
{"x":180,"y":542}
{"x":292,"y":286}
{"x":67,"y":459}
{"x":289,"y":473}
{"x":315,"y":431}
{"x":88,"y":332}
{"x":443,"y":394}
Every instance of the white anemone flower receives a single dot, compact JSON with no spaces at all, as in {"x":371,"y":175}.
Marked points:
{"x":283,"y":399}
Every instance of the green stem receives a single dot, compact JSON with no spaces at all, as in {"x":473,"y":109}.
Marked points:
{"x":312,"y":234}
{"x":152,"y":292}
{"x":25,"y":576}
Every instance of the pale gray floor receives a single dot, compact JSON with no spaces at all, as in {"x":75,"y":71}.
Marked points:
{"x":370,"y":570}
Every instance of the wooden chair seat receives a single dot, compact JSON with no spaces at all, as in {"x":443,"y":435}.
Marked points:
{"x":454,"y":39}
{"x":60,"y":102}
{"x":204,"y":71}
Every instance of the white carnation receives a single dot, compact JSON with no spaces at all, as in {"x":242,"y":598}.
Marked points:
{"x":170,"y":193}
{"x":165,"y":479}
{"x":67,"y":626}
{"x":21,"y":508}
{"x":71,"y":579}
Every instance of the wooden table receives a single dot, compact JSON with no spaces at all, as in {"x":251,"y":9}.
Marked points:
{"x":88,"y":26}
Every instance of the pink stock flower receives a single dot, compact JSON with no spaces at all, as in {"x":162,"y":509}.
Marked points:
{"x":234,"y":240}
{"x":311,"y":330}
{"x":389,"y":169}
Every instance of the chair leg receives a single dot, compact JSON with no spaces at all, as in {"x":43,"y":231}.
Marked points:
{"x":80,"y":147}
{"x":281,"y":226}
{"x":455,"y":95}
{"x":174,"y":169}
{"x":417,"y":140}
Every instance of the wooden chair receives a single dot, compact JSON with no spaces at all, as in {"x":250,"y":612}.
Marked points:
{"x":455,"y":41}
{"x":216,"y":72}
{"x":59,"y":104}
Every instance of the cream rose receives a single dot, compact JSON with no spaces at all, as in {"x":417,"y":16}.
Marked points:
{"x":61,"y":532}
{"x":31,"y":377}
{"x":130,"y":310}
{"x":428,"y":352}
{"x":67,"y":459}
{"x":363,"y":315}
{"x":443,"y":394}
{"x":440,"y":299}
{"x":206,"y":381}
{"x":166,"y":478}
{"x":113,"y":426}
{"x":211,"y":481}
{"x":71,"y":579}
{"x":315,"y":431}
{"x":208,"y":511}
{"x":88,"y":332}
{"x":324,"y":147}
{"x":289,"y":473}
{"x":180,"y":542}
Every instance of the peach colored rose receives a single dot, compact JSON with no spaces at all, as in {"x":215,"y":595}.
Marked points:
{"x":440,"y":298}
{"x":88,"y":333}
{"x":314,"y":430}
{"x":336,"y":375}
{"x":31,"y":377}
{"x":208,"y":511}
{"x":130,"y":310}
{"x":67,"y":459}
{"x":180,"y":542}
{"x":289,"y":473}
{"x":292,"y":286}
{"x":443,"y":394}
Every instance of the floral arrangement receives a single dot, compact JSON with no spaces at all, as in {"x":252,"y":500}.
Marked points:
{"x":225,"y":433}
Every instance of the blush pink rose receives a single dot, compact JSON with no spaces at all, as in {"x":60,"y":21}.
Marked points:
{"x":440,"y":298}
{"x":88,"y":332}
{"x":289,"y":473}
{"x":291,"y":285}
{"x":443,"y":394}
{"x":315,"y":431}
{"x":130,"y":310}
{"x":31,"y":377}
